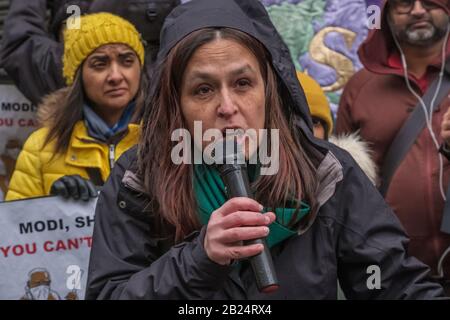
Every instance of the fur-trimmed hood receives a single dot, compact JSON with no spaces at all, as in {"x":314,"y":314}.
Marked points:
{"x":360,"y":151}
{"x":49,"y":104}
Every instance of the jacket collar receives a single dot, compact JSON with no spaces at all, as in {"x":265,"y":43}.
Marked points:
{"x":81,"y":145}
{"x":329,"y":173}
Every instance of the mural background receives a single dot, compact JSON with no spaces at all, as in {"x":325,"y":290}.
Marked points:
{"x":323,"y":37}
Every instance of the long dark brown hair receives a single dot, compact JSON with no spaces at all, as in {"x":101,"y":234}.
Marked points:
{"x":171,"y":185}
{"x":61,"y":121}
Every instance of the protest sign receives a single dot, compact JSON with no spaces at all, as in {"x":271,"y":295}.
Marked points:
{"x":44,"y":248}
{"x":17,"y":121}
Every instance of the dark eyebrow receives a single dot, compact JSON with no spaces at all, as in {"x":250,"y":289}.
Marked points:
{"x":104,"y":57}
{"x":99,"y":57}
{"x":200,"y":75}
{"x":206,"y":76}
{"x":242,"y":70}
{"x":127,"y":54}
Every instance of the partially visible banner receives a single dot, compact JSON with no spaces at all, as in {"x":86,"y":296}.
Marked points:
{"x":17,"y":121}
{"x":44,"y":248}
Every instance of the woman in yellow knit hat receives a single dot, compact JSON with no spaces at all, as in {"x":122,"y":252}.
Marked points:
{"x":318,"y":106}
{"x":88,"y":124}
{"x":323,"y":127}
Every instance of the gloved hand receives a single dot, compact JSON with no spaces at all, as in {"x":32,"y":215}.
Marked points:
{"x":74,"y":187}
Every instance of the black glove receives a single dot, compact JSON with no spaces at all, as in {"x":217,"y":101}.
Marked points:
{"x":74,"y":187}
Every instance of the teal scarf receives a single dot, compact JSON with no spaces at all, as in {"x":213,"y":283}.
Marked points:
{"x":97,"y":127}
{"x":210,"y":194}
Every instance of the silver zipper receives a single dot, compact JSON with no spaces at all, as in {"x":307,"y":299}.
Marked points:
{"x":112,"y":155}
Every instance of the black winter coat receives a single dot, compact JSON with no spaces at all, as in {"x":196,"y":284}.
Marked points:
{"x":352,"y":230}
{"x":31,"y":56}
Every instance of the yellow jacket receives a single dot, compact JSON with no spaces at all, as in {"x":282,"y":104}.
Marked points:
{"x":35,"y":171}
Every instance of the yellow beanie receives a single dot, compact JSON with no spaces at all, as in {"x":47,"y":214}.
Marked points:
{"x":317,"y":100}
{"x":95,"y":31}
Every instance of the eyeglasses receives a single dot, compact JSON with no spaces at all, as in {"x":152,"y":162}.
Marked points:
{"x":406,"y":6}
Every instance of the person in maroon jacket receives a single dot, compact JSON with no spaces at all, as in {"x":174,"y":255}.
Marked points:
{"x":401,"y":61}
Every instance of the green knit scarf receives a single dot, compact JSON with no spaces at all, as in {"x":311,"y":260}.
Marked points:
{"x":210,"y":194}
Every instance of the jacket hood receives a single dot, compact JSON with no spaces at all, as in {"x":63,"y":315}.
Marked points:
{"x":49,"y":104}
{"x":360,"y":151}
{"x":375,"y":50}
{"x":248,"y":16}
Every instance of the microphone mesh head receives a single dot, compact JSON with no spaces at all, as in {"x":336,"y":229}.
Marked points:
{"x":230,"y":150}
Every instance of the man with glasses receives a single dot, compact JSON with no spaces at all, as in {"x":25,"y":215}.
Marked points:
{"x":406,"y":73}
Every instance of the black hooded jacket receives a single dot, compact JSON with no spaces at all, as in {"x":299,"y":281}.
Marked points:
{"x":30,"y":52}
{"x":352,"y":230}
{"x":31,"y":56}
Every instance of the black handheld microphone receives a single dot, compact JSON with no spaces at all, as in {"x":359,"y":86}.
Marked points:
{"x":235,"y":177}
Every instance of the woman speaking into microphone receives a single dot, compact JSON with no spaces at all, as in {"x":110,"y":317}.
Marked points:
{"x":165,"y":229}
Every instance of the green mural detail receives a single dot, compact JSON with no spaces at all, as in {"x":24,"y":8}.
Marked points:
{"x":294,"y":23}
{"x":334,"y":97}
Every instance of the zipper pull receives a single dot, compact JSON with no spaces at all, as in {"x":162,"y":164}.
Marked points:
{"x":112,"y":155}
